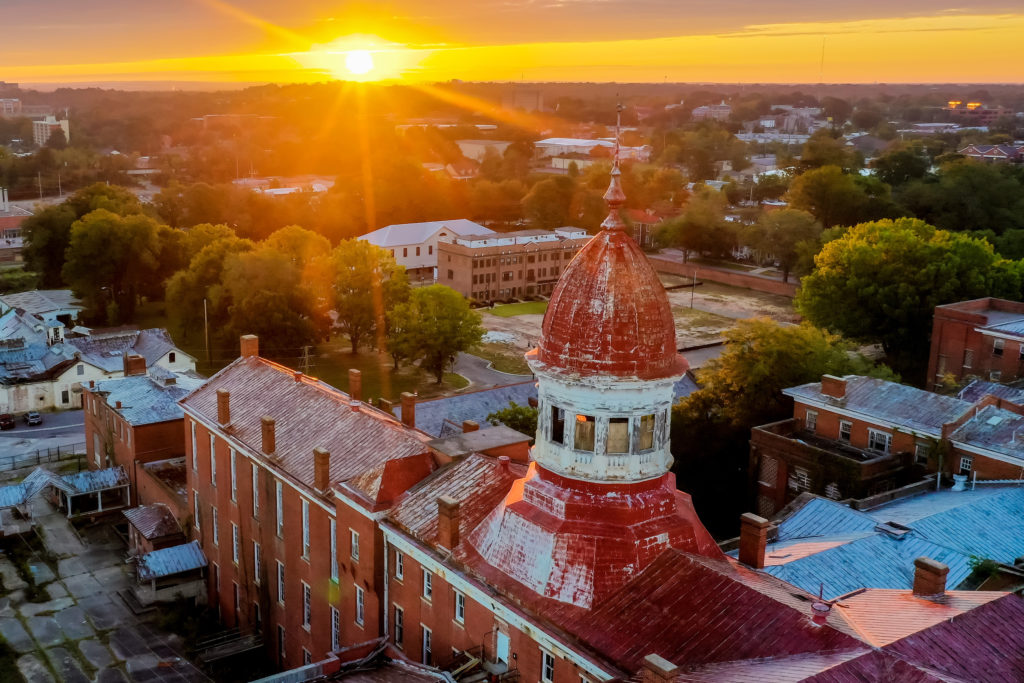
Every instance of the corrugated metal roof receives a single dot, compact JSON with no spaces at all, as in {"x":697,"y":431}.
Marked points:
{"x":106,"y":351}
{"x":153,"y":521}
{"x":980,"y":388}
{"x":150,"y":398}
{"x":820,"y":517}
{"x":914,"y":409}
{"x":791,"y":669}
{"x":96,"y":480}
{"x":308,"y":414}
{"x":994,"y":429}
{"x":11,"y":495}
{"x":170,"y":561}
{"x":404,"y":234}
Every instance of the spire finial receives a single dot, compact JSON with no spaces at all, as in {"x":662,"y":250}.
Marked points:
{"x":614,"y":196}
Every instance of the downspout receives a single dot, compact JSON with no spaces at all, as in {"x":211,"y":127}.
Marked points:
{"x":387,"y":581}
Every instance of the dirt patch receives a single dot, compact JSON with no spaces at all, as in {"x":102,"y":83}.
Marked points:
{"x":735,"y":302}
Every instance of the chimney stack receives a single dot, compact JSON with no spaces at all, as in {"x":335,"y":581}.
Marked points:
{"x":447,"y":522}
{"x":117,"y":404}
{"x":355,"y":384}
{"x":134,"y":364}
{"x":504,"y":463}
{"x":753,"y":539}
{"x":354,"y":405}
{"x":92,"y":384}
{"x":833,"y":386}
{"x":297,"y":375}
{"x":250,"y":345}
{"x":321,"y":469}
{"x":223,"y":407}
{"x":269,"y":441}
{"x":408,"y":409}
{"x":657,"y":669}
{"x":929,"y":577}
{"x":469,"y":426}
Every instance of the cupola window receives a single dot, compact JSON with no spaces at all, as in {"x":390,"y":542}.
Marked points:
{"x":618,"y":435}
{"x":584,"y":438}
{"x":645,"y":433}
{"x":557,"y":425}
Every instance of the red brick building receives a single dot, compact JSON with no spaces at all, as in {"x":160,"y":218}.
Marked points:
{"x":982,"y":338}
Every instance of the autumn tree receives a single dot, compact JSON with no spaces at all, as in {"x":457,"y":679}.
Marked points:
{"x":367,"y":283}
{"x":436,"y":325}
{"x":547,"y":204}
{"x":881,"y":281}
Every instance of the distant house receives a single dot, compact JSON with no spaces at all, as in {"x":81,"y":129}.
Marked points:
{"x":49,"y":305}
{"x":641,"y":225}
{"x":712,"y":112}
{"x":414,"y":245}
{"x":868,"y":145}
{"x":994,"y":153}
{"x":463,"y":169}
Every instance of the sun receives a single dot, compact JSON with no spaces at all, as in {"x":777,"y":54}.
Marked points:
{"x":359,"y":62}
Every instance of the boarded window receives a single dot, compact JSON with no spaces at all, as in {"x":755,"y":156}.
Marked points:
{"x":584,"y":440}
{"x":645,"y":432}
{"x":618,"y":435}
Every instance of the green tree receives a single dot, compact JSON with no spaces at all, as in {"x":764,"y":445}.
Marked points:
{"x":783,"y":234}
{"x":881,"y":281}
{"x":899,"y":166}
{"x":547,"y":204}
{"x":838,"y":198}
{"x":742,"y":389}
{"x":967,"y":195}
{"x":438,"y":323}
{"x":202,"y":279}
{"x":523,"y":419}
{"x":367,"y":284}
{"x":826,"y":149}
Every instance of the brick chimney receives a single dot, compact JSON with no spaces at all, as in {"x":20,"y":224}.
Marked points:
{"x":250,"y":345}
{"x":321,"y":469}
{"x":753,"y":539}
{"x":657,"y":669}
{"x":833,"y":386}
{"x":469,"y":426}
{"x":269,"y":441}
{"x":134,"y":364}
{"x":223,"y":407}
{"x":448,"y":522}
{"x":355,"y":384}
{"x":929,"y":577}
{"x":408,"y":409}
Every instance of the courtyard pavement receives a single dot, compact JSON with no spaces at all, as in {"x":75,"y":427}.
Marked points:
{"x":85,"y":632}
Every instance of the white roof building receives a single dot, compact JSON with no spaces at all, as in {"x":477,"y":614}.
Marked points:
{"x":414,"y":245}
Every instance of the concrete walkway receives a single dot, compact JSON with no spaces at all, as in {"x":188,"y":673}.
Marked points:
{"x":478,"y":371}
{"x":84,"y":632}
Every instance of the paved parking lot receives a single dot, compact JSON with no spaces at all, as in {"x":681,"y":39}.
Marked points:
{"x":84,"y":632}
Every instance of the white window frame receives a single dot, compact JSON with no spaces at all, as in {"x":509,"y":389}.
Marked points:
{"x":428,"y":585}
{"x":280,"y":507}
{"x":213,"y":460}
{"x":966,"y":464}
{"x":234,"y":476}
{"x":195,"y":449}
{"x":811,"y":420}
{"x":256,"y":559}
{"x":998,"y":347}
{"x":922,"y":452}
{"x":335,"y":629}
{"x":255,"y":490}
{"x":399,"y":635}
{"x":353,"y":539}
{"x":236,"y":543}
{"x":426,"y":645}
{"x":307,"y":606}
{"x":547,"y":667}
{"x":334,"y":550}
{"x":305,"y":529}
{"x":195,"y":509}
{"x":460,"y":607}
{"x":216,"y":529}
{"x":849,"y":431}
{"x":886,"y":437}
{"x":280,"y":582}
{"x":307,"y":657}
{"x":399,"y":565}
{"x":360,"y":605}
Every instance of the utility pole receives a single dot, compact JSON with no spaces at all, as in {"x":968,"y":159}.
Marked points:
{"x":39,"y":179}
{"x":206,"y":330}
{"x":306,"y":365}
{"x":693,"y":288}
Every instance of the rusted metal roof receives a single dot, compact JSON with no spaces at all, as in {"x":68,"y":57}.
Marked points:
{"x":96,"y":480}
{"x":308,"y":414}
{"x":170,"y":561}
{"x":153,"y":521}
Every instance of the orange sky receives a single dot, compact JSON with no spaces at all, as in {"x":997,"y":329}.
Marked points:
{"x":539,"y":40}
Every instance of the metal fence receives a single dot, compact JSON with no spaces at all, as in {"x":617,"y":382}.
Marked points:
{"x":42,"y":455}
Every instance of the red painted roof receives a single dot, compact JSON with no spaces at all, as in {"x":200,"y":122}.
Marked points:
{"x":609,"y":315}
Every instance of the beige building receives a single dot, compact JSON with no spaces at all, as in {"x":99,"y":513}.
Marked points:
{"x":508,"y":265}
{"x":42,"y":130}
{"x":415,"y":245}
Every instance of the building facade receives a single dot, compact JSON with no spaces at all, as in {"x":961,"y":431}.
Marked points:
{"x":983,"y":338}
{"x":415,"y":245}
{"x":508,"y":265}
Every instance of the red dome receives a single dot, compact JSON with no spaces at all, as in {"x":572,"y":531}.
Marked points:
{"x":609,"y":315}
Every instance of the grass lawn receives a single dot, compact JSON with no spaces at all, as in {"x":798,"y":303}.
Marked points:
{"x":503,"y":358}
{"x":527,"y":307}
{"x":329,"y":361}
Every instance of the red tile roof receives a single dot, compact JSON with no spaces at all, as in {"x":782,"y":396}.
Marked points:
{"x":308,"y":414}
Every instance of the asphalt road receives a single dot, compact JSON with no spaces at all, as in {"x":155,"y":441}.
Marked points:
{"x":64,"y":423}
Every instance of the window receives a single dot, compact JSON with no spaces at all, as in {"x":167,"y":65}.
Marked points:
{"x":213,"y":460}
{"x":460,"y":607}
{"x":399,"y":565}
{"x":171,"y":357}
{"x":280,"y":582}
{"x":334,"y":551}
{"x":879,"y":441}
{"x":305,"y":528}
{"x":427,"y":655}
{"x":335,"y":629}
{"x":255,"y":491}
{"x":810,"y":421}
{"x":359,"y":605}
{"x":195,"y":509}
{"x":354,"y":544}
{"x":618,"y":435}
{"x":307,"y":605}
{"x":65,"y":397}
{"x":428,"y":584}
{"x":417,"y":251}
{"x":216,"y":531}
{"x":799,"y":480}
{"x":234,"y":477}
{"x":997,"y":347}
{"x":80,"y":370}
{"x":968,"y":358}
{"x":995,"y":376}
{"x":966,"y":463}
{"x":195,"y":454}
{"x":237,"y":603}
{"x":405,"y":251}
{"x":256,"y":560}
{"x":280,"y":641}
{"x":235,"y":543}
{"x":547,"y":667}
{"x":280,"y":508}
{"x":430,"y":251}
{"x":1021,"y":352}
{"x":645,"y":435}
{"x":845,"y":428}
{"x":307,"y":657}
{"x":399,"y":626}
{"x":584,"y":439}
{"x":922,"y":451}
{"x":451,"y":274}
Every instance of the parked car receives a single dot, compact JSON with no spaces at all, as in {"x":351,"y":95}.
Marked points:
{"x":7,"y":421}
{"x":33,"y":418}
